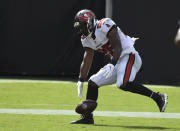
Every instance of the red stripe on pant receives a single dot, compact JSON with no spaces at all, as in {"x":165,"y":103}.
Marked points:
{"x":128,"y":68}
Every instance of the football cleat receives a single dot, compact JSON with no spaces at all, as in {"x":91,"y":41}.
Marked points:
{"x":161,"y":101}
{"x":85,"y":119}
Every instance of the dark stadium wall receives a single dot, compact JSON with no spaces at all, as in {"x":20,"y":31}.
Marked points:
{"x":155,"y":22}
{"x":38,"y":38}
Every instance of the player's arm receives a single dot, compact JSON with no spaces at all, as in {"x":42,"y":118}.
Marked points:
{"x":114,"y":40}
{"x":86,"y":63}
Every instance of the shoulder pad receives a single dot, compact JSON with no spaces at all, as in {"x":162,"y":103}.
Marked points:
{"x":100,"y":23}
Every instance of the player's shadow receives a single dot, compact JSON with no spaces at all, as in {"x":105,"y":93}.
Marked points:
{"x":136,"y":127}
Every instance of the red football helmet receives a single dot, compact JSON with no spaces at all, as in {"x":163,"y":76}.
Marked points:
{"x":84,"y":22}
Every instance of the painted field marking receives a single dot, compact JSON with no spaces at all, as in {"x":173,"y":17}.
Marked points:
{"x":33,"y":81}
{"x":96,"y":113}
{"x":61,"y":81}
{"x":37,"y":104}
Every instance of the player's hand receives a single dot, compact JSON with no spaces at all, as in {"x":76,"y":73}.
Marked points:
{"x":108,"y":70}
{"x":80,"y":89}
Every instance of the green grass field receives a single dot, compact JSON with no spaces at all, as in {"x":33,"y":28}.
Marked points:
{"x":63,"y":96}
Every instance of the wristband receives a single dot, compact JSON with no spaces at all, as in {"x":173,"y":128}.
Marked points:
{"x":81,"y":80}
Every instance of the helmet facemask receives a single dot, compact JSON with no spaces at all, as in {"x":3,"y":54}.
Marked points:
{"x":81,"y":28}
{"x":91,"y":25}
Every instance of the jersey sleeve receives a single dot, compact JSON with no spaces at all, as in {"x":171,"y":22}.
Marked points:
{"x":107,"y":25}
{"x":86,"y":44}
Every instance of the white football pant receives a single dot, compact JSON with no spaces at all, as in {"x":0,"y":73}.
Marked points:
{"x":125,"y":71}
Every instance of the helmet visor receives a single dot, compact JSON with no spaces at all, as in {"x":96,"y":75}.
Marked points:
{"x":81,"y":28}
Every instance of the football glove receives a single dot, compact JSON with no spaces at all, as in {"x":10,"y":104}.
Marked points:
{"x":108,"y":70}
{"x":80,"y":89}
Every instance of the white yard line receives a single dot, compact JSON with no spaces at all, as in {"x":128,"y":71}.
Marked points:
{"x":61,"y":81}
{"x":37,"y":104}
{"x":32,"y":81}
{"x":96,"y":113}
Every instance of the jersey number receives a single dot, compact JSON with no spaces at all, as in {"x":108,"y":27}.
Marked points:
{"x":107,"y":49}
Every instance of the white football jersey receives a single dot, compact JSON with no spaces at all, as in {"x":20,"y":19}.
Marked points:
{"x":101,"y":42}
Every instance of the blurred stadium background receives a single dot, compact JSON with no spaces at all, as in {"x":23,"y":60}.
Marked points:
{"x":38,"y":40}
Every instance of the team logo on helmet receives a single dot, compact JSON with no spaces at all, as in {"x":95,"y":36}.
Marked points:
{"x":85,"y":16}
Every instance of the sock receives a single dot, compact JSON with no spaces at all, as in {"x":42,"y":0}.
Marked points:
{"x":156,"y":97}
{"x":138,"y":88}
{"x":92,"y":92}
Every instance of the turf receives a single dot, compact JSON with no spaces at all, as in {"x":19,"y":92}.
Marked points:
{"x":61,"y":123}
{"x":63,"y":95}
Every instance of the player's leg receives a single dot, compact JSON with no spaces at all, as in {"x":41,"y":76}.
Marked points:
{"x":94,"y":83}
{"x":128,"y":67}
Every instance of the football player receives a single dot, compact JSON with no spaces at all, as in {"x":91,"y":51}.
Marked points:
{"x":177,"y":38}
{"x":105,"y":36}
